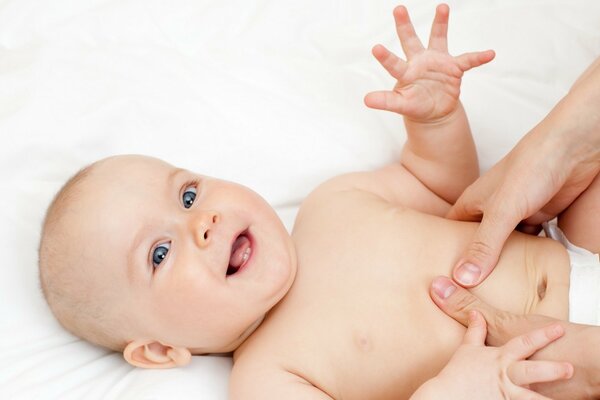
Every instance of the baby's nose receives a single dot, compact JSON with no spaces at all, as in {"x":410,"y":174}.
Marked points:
{"x":203,"y":226}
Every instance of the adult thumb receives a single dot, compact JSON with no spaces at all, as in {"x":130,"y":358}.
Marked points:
{"x":458,"y":303}
{"x":482,"y":253}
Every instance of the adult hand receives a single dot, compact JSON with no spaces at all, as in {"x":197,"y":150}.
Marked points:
{"x":547,"y":170}
{"x":479,"y":372}
{"x":580,"y":345}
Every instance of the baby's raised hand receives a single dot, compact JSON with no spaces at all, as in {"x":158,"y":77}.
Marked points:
{"x":428,"y":82}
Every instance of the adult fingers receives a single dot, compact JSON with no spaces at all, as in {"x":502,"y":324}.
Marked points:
{"x":527,"y":372}
{"x":472,"y":202}
{"x":529,"y":229}
{"x":481,"y":255}
{"x":466,"y":208}
{"x":458,"y":302}
{"x":464,"y":211}
{"x":504,"y":196}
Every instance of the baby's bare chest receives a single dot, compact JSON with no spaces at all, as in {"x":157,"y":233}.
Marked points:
{"x":358,"y":320}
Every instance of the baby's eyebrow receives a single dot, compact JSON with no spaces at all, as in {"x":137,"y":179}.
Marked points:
{"x":172,"y":176}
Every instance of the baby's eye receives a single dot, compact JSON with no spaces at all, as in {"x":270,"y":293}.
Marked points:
{"x":160,"y":253}
{"x":189,"y":196}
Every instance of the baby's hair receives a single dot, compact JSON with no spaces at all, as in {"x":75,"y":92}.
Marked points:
{"x":64,"y":283}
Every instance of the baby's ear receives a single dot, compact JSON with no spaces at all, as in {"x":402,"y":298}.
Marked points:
{"x":153,"y":354}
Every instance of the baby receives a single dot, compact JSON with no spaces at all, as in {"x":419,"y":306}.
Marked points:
{"x":162,"y":263}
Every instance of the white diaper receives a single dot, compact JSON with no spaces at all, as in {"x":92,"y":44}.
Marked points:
{"x":584,"y":292}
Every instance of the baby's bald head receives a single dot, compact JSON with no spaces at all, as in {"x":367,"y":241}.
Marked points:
{"x":140,"y":256}
{"x":82,"y":303}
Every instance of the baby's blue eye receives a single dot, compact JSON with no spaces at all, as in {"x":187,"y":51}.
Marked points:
{"x":160,"y":253}
{"x":189,"y":196}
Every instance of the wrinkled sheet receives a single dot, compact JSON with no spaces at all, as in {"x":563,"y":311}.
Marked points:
{"x":265,"y":93}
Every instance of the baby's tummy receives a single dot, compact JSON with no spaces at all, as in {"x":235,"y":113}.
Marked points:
{"x":531,"y":276}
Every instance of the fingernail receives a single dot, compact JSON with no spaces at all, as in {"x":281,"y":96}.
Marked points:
{"x":443,"y":287}
{"x":569,"y":370}
{"x":468,"y":274}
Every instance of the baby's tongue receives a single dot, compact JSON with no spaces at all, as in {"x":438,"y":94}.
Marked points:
{"x":237,"y":251}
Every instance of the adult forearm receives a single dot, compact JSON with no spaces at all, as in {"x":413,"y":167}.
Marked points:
{"x":575,"y":120}
{"x":591,"y":357}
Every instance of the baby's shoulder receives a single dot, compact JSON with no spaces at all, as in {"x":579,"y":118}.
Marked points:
{"x":343,"y":196}
{"x":352,"y":185}
{"x":391,"y":186}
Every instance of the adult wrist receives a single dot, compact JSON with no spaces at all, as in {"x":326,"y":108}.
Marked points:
{"x":571,"y":133}
{"x":585,"y":357}
{"x":578,"y":116}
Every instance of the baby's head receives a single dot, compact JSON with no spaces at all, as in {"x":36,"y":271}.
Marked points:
{"x":160,"y":263}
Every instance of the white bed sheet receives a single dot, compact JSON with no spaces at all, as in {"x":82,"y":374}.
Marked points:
{"x":266,"y":93}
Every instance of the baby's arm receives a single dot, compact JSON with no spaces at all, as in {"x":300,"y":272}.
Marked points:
{"x":439,"y":151}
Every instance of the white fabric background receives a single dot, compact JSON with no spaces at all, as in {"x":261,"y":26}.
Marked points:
{"x":266,"y":93}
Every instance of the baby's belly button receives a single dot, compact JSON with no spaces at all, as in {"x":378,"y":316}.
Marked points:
{"x":541,"y":288}
{"x":553,"y":288}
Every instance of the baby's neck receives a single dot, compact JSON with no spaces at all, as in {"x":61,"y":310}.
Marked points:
{"x":248,"y":332}
{"x":229,"y":349}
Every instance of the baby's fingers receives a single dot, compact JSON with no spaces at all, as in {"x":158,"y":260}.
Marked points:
{"x":467,"y":61}
{"x":385,"y":100}
{"x":406,"y":32}
{"x":438,"y":39}
{"x":392,"y":63}
{"x":525,"y":345}
{"x":527,"y":372}
{"x":477,"y":329}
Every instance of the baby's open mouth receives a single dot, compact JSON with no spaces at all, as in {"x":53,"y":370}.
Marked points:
{"x":240,"y":253}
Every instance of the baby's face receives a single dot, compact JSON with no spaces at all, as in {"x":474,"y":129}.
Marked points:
{"x":197,"y":261}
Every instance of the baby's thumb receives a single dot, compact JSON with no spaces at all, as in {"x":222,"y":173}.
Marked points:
{"x":476,"y":331}
{"x":482,"y":253}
